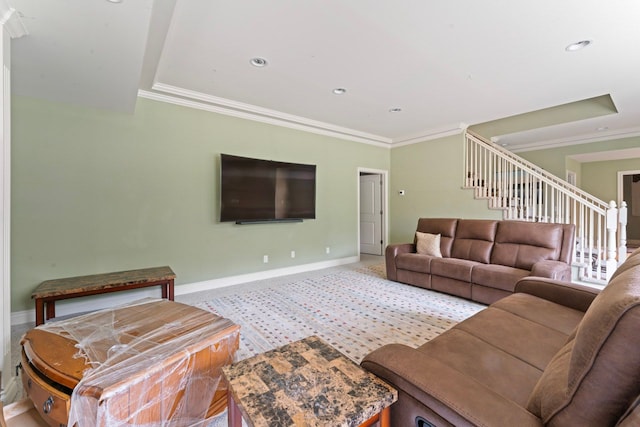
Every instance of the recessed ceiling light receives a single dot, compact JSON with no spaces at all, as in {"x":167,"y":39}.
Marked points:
{"x":339,"y":91}
{"x":258,"y":62}
{"x":578,"y":45}
{"x":114,"y":1}
{"x":395,"y":110}
{"x":602,"y":128}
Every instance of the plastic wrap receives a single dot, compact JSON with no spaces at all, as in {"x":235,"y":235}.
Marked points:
{"x":149,"y":363}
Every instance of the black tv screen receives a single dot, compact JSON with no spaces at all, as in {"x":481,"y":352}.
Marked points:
{"x":255,"y":190}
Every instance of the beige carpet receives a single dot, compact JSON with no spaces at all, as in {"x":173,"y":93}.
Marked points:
{"x":355,"y":310}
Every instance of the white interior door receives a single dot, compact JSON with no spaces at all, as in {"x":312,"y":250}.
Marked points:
{"x":371,"y":214}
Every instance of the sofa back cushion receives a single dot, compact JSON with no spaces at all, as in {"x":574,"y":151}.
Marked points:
{"x":474,"y":239}
{"x":596,"y":376}
{"x":445,"y":227}
{"x":568,"y":243}
{"x":521,"y":244}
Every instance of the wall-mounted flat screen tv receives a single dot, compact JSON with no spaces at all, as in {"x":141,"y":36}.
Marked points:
{"x":256,"y":190}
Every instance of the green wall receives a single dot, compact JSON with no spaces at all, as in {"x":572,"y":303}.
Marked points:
{"x":96,"y":191}
{"x":431,"y":173}
{"x":601,"y":178}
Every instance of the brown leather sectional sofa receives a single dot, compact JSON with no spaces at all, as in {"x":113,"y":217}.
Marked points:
{"x":552,"y":354}
{"x":482,"y":260}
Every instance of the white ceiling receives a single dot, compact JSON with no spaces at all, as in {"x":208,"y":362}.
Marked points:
{"x":446,"y":63}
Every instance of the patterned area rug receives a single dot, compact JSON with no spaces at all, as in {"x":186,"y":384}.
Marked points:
{"x":355,"y":310}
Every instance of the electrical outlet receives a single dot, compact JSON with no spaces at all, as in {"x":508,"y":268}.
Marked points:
{"x":327,"y":250}
{"x":293,"y":254}
{"x":265,"y":259}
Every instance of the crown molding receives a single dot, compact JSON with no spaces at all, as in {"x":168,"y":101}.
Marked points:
{"x":428,"y":136}
{"x":577,"y":140}
{"x":11,"y":21}
{"x":606,"y":156}
{"x":192,"y":99}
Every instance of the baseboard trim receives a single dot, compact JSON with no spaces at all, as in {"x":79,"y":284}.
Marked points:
{"x":208,"y":285}
{"x":81,"y":305}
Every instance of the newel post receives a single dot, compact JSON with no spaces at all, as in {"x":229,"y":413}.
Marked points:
{"x":622,"y":220}
{"x":612,"y":225}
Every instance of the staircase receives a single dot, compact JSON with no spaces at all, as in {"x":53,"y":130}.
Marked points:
{"x":525,"y":192}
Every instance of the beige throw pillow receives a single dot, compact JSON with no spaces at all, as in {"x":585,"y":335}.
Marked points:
{"x":428,"y":244}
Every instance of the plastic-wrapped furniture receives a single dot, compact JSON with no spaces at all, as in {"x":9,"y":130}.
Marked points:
{"x":152,"y":362}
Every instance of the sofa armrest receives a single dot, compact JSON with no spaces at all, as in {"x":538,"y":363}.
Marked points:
{"x":457,"y":398}
{"x":556,"y":270}
{"x":390,"y":255}
{"x":569,"y":294}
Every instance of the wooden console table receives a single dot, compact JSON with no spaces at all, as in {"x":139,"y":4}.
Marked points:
{"x":50,"y":291}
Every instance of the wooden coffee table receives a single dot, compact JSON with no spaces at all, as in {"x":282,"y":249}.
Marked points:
{"x":305,"y":383}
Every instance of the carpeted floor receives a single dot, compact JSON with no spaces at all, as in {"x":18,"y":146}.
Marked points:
{"x":354,"y":308}
{"x":356,"y":311}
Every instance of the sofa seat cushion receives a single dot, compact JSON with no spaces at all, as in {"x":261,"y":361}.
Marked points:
{"x":557,"y":317}
{"x":414,"y":262}
{"x":498,"y":276}
{"x":453,"y":268}
{"x":433,"y":382}
{"x":503,"y":373}
{"x":529,"y":341}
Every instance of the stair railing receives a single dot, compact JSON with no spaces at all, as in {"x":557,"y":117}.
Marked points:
{"x":524,"y":191}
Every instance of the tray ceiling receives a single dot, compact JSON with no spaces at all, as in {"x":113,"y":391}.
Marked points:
{"x":445,"y":64}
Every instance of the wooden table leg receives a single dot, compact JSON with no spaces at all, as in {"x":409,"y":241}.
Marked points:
{"x":385,"y":417}
{"x":39,"y":311}
{"x":233,"y":416}
{"x":51,"y":310}
{"x":169,"y":290}
{"x":165,"y":290}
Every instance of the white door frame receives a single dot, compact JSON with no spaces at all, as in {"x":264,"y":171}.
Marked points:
{"x":385,"y":204}
{"x":11,"y":27}
{"x":621,"y":175}
{"x":5,"y":209}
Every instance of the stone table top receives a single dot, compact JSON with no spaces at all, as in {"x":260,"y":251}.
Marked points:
{"x":102,"y":281}
{"x":306,"y":383}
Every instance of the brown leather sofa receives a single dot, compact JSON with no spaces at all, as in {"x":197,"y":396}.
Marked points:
{"x":482,"y":260}
{"x":552,"y":354}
